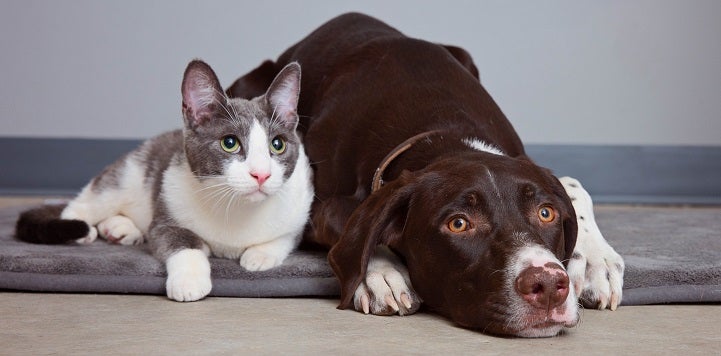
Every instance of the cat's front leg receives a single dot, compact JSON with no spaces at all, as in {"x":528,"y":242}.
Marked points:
{"x":186,"y":261}
{"x":271,"y":254}
{"x":188,"y":275}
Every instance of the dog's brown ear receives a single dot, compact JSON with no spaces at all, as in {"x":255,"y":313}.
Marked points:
{"x":255,"y":82}
{"x":568,"y":216}
{"x":462,"y":56}
{"x":570,"y":233}
{"x":379,"y":220}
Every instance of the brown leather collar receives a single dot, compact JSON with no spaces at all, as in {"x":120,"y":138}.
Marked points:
{"x":404,"y":146}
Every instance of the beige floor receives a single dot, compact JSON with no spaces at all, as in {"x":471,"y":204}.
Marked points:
{"x":124,"y":324}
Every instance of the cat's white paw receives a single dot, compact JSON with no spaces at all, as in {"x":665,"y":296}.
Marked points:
{"x":255,"y":259}
{"x":188,"y":276}
{"x":92,"y":235}
{"x":120,"y":229}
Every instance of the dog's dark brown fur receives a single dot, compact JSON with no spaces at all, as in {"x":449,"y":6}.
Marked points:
{"x":366,"y":89}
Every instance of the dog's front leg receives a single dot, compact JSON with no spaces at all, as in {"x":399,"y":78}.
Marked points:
{"x":386,"y":288}
{"x":595,"y":269}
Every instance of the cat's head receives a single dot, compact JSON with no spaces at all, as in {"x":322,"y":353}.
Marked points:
{"x":246,"y":149}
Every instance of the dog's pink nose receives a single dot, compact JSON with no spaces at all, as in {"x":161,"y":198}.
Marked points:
{"x":543,"y":287}
{"x":261,"y":177}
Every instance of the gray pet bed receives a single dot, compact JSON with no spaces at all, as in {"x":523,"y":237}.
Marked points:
{"x":106,"y":268}
{"x":672,"y":255}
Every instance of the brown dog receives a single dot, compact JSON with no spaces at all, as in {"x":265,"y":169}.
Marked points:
{"x":424,"y":192}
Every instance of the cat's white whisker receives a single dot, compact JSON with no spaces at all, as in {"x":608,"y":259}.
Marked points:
{"x":273,"y":117}
{"x":221,"y":193}
{"x":216,"y":194}
{"x":233,"y":117}
{"x":213,"y":195}
{"x":221,"y":198}
{"x":236,"y":116}
{"x":209,"y":202}
{"x":229,"y":205}
{"x":225,"y":105}
{"x":214,"y":186}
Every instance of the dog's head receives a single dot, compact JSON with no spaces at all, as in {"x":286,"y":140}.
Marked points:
{"x":485,"y":238}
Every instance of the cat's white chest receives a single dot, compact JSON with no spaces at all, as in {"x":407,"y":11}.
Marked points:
{"x":231,"y":227}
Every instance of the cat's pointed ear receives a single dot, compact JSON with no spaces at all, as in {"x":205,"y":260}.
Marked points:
{"x":282,"y":95}
{"x":202,"y":94}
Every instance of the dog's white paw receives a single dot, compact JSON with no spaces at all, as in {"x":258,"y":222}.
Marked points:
{"x":188,"y":275}
{"x":120,"y":229}
{"x":255,"y":259}
{"x":92,"y":236}
{"x":386,"y":289}
{"x":595,"y":269}
{"x":597,"y":276}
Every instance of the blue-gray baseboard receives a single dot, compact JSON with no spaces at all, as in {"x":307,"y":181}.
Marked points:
{"x":612,"y":174}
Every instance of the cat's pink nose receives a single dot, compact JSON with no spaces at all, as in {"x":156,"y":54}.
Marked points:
{"x":261,"y":177}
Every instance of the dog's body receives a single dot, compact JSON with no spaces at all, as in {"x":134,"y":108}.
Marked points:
{"x":467,"y":223}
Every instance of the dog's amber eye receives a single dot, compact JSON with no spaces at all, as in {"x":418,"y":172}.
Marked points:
{"x":546,"y":214}
{"x":458,"y":224}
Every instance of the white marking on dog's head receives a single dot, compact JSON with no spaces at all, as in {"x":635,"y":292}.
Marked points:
{"x":525,"y":318}
{"x":482,"y":146}
{"x":493,"y":183}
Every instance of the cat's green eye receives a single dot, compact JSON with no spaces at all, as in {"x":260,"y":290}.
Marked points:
{"x":230,"y":144}
{"x":277,"y":145}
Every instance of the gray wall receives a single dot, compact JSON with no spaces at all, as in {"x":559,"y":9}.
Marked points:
{"x":565,"y":72}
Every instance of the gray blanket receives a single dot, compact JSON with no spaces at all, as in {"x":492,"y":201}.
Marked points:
{"x":672,"y":255}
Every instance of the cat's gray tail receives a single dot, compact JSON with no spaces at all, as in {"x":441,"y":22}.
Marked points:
{"x":43,"y":226}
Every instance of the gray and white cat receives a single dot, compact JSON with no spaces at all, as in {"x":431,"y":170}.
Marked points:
{"x":234,"y":182}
